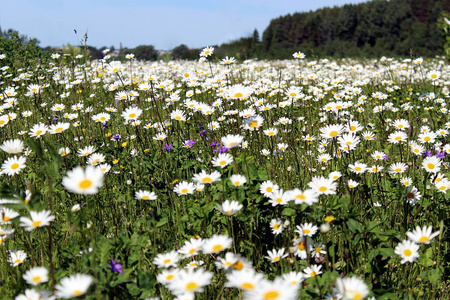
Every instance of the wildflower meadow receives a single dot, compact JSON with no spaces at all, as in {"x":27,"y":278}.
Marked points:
{"x":305,"y":178}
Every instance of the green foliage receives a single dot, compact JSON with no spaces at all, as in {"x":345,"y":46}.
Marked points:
{"x":394,"y":28}
{"x":145,"y":52}
{"x":21,"y":51}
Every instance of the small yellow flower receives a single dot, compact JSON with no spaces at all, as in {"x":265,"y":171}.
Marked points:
{"x":175,"y":181}
{"x":79,"y":91}
{"x":146,"y":150}
{"x":329,"y":219}
{"x":124,"y":144}
{"x":108,"y":134}
{"x":115,"y":161}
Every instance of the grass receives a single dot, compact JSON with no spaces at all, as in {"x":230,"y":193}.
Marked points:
{"x":358,"y":228}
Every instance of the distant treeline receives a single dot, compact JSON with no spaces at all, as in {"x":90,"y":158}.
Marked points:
{"x":370,"y":29}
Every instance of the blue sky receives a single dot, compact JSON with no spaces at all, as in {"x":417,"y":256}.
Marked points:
{"x":164,"y":24}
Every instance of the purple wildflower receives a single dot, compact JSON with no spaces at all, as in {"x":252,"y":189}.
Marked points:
{"x":214,"y":144}
{"x":189,"y":143}
{"x":385,"y":156}
{"x":168,"y":147}
{"x":222,"y":149}
{"x":115,"y":266}
{"x":440,"y":154}
{"x":105,"y":125}
{"x":116,"y":137}
{"x":427,"y":153}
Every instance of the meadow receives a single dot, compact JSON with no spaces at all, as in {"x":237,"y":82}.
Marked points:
{"x":217,"y":179}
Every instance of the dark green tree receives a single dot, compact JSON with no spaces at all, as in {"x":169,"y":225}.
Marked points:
{"x":145,"y":52}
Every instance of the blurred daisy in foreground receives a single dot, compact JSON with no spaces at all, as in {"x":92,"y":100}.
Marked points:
{"x":216,"y":243}
{"x":246,"y":279}
{"x":36,"y":275}
{"x":422,"y":235}
{"x":190,"y":281}
{"x":229,"y":208}
{"x":12,"y":146}
{"x":85,"y":182}
{"x":166,"y":260}
{"x":278,"y":289}
{"x":204,"y":177}
{"x":16,"y":257}
{"x":191,"y":247}
{"x":13,"y":165}
{"x":276,"y":255}
{"x":352,"y":288}
{"x":37,"y":219}
{"x":145,"y":195}
{"x":238,"y":180}
{"x":73,"y":286}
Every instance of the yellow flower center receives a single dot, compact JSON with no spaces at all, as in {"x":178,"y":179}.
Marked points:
{"x":271,"y":295}
{"x":166,"y":261}
{"x":276,"y":258}
{"x":206,"y":180}
{"x":247,"y":286}
{"x":217,"y":248}
{"x":407,"y":252}
{"x":14,"y":166}
{"x":238,"y":95}
{"x":36,"y":278}
{"x":352,"y":128}
{"x":276,"y":226}
{"x":17,"y":261}
{"x":77,"y":292}
{"x":424,"y":239}
{"x":38,"y":132}
{"x":238,"y":265}
{"x":306,"y":231}
{"x":427,"y":139}
{"x":170,"y":277}
{"x":85,"y":184}
{"x":253,"y":124}
{"x":357,"y":297}
{"x":323,"y":188}
{"x":398,"y":138}
{"x":279,"y":200}
{"x":191,"y":286}
{"x":398,"y":170}
{"x":6,"y":219}
{"x":301,"y":246}
{"x":313,"y":274}
{"x":145,"y":197}
{"x":358,"y":169}
{"x":301,"y":197}
{"x":36,"y":223}
{"x":132,"y":115}
{"x":333,"y":133}
{"x":430,"y":166}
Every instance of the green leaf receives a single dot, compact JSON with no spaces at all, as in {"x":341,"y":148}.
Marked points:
{"x":288,"y":212}
{"x":354,"y":226}
{"x":163,"y":221}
